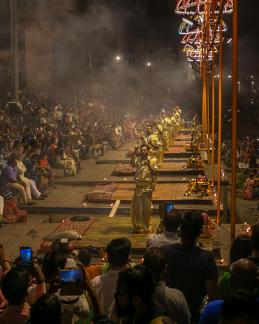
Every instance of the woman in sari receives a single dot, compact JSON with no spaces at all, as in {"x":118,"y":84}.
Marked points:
{"x":248,"y":191}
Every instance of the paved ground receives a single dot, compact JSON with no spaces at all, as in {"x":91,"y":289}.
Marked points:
{"x":69,"y":193}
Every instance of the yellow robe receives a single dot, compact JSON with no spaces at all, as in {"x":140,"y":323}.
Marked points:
{"x":145,"y":181}
{"x":155,"y":148}
{"x":163,"y":136}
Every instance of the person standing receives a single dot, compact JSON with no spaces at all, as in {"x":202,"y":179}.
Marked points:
{"x":191,"y":269}
{"x":145,"y":181}
{"x":171,"y":302}
{"x":156,"y":146}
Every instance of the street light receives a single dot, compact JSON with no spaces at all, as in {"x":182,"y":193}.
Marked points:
{"x":148,"y":64}
{"x":118,"y":58}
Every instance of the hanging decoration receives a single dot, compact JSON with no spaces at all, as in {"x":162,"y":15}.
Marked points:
{"x":190,"y":7}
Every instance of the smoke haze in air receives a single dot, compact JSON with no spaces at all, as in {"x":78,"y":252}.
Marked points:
{"x":88,"y":35}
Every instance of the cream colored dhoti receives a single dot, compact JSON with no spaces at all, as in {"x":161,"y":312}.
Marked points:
{"x":141,"y":209}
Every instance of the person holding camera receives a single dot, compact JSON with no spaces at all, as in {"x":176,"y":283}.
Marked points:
{"x":145,"y":181}
{"x":167,"y":232}
{"x":21,"y":286}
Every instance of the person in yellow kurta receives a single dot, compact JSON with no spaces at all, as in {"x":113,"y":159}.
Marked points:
{"x":162,"y":136}
{"x":145,"y":181}
{"x":167,"y":123}
{"x":155,"y":145}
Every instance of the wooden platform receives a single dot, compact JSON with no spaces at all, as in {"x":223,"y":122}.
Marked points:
{"x":180,"y":154}
{"x":106,"y":229}
{"x":181,"y":143}
{"x":182,"y":137}
{"x":163,"y":192}
{"x":167,"y":168}
{"x":176,"y":149}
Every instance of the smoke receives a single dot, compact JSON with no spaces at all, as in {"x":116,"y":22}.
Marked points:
{"x":86,"y":38}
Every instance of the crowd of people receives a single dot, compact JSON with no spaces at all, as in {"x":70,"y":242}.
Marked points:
{"x":247,"y":153}
{"x":175,"y":282}
{"x":248,"y":164}
{"x":38,"y":136}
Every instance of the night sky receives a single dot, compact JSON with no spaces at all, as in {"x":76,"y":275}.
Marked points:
{"x":145,"y":26}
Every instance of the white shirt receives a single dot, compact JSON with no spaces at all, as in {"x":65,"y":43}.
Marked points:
{"x":159,"y":240}
{"x":104,"y":287}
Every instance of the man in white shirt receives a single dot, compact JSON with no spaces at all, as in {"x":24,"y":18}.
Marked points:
{"x":118,"y":252}
{"x":170,"y":222}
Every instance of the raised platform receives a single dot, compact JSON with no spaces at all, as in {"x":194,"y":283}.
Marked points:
{"x":183,"y":137}
{"x":167,"y":168}
{"x":106,"y":228}
{"x":173,"y":154}
{"x":163,"y":192}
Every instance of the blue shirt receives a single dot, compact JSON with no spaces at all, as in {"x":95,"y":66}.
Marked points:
{"x":212,"y":312}
{"x":11,"y":173}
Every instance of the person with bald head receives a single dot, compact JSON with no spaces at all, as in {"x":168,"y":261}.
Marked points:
{"x":242,"y":277}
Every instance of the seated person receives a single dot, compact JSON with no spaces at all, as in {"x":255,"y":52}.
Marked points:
{"x":66,"y":161}
{"x":11,"y":177}
{"x":170,"y":223}
{"x":45,"y":170}
{"x":21,"y":171}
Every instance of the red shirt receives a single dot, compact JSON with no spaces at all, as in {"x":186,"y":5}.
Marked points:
{"x":43,"y":163}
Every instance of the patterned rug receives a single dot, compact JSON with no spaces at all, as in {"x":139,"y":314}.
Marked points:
{"x":79,"y":227}
{"x":122,"y":169}
{"x":101,"y":193}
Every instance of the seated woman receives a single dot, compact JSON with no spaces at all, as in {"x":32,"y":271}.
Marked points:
{"x":248,"y":191}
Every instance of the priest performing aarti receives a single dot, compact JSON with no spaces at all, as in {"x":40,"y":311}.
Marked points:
{"x":145,"y":181}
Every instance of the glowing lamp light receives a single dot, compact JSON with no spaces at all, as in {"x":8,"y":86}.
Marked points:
{"x":188,"y":21}
{"x":118,"y":58}
{"x":190,"y":7}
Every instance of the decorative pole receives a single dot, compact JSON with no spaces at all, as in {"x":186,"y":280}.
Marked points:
{"x":219,"y":121}
{"x":234,"y":116}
